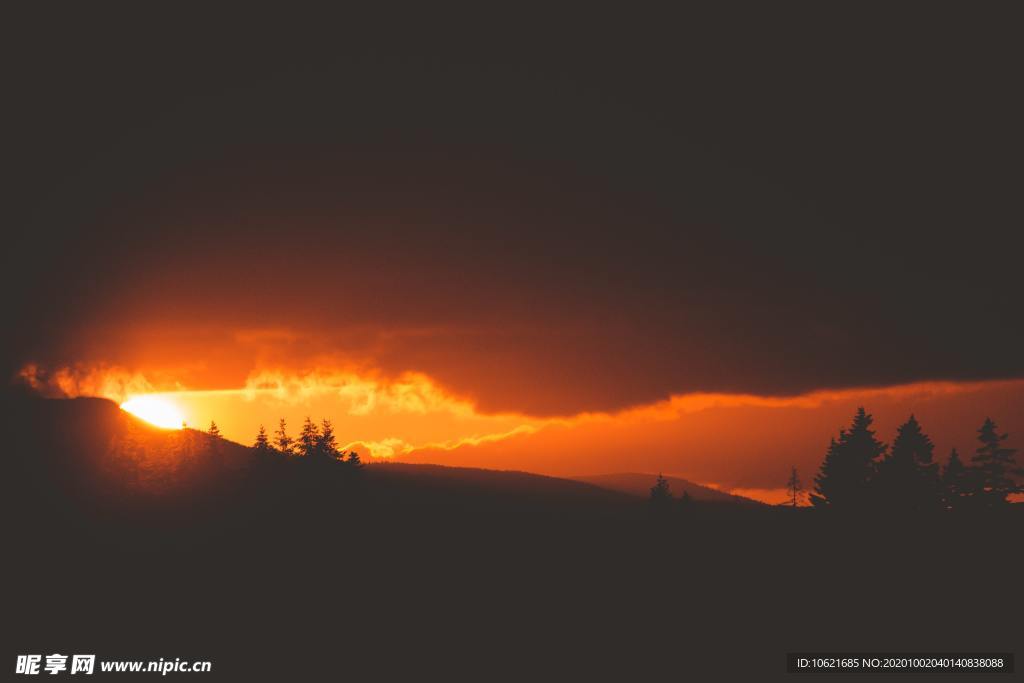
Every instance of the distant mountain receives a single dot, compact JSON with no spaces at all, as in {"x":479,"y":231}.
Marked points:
{"x":492,"y":483}
{"x":639,"y":484}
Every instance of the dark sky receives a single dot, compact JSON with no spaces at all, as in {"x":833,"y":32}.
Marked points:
{"x":550,"y":214}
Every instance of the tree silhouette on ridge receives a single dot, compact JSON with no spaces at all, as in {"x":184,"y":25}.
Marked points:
{"x":262,"y":444}
{"x":661,"y":495}
{"x":844,"y":482}
{"x":282,"y":442}
{"x":956,"y":483}
{"x":995,"y":467}
{"x":907,"y":479}
{"x":309,"y":438}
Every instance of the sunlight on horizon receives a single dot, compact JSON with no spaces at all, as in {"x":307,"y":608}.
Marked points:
{"x":155,"y":410}
{"x":744,"y":444}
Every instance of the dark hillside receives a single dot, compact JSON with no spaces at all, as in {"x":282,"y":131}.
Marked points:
{"x":398,"y":571}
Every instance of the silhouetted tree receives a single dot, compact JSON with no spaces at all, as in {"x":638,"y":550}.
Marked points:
{"x":794,"y":487}
{"x":262,"y":445}
{"x":282,"y":442}
{"x":327,"y":443}
{"x":845,"y":477}
{"x":213,"y":442}
{"x":661,"y":495}
{"x":956,"y":485}
{"x":184,"y":452}
{"x":309,"y":438}
{"x":994,"y":467}
{"x":908,"y":478}
{"x":685,"y":503}
{"x":354,"y":460}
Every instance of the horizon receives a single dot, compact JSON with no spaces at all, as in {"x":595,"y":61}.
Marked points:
{"x":945,"y":409}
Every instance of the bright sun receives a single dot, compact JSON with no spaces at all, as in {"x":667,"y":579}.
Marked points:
{"x":155,"y":410}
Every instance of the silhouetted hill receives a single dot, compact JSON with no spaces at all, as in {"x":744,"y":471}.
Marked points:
{"x":461,"y":480}
{"x":92,"y":445}
{"x":638,"y":484}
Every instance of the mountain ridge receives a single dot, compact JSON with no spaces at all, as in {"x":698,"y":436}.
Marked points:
{"x":101,"y":435}
{"x":640,"y":483}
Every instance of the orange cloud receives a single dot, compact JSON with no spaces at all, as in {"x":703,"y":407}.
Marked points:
{"x":115,"y":383}
{"x":360,"y":394}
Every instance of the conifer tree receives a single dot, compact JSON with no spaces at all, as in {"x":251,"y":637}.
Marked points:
{"x":956,"y":485}
{"x":282,"y":442}
{"x":994,"y":467}
{"x":309,"y":438}
{"x":327,"y":443}
{"x":849,"y":466}
{"x":908,"y":478}
{"x":354,"y":460}
{"x":661,"y":495}
{"x":825,"y":486}
{"x":794,"y":487}
{"x":213,"y":441}
{"x":262,"y":445}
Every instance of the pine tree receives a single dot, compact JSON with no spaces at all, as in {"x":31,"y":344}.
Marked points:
{"x":794,"y":486}
{"x":995,"y":467}
{"x":309,"y":437}
{"x":956,"y":485}
{"x":908,"y":478}
{"x":661,"y":495}
{"x":262,"y":445}
{"x":685,"y":503}
{"x":849,"y":466}
{"x":282,"y":442}
{"x":825,"y":482}
{"x":354,"y":460}
{"x":213,"y":442}
{"x":327,"y":443}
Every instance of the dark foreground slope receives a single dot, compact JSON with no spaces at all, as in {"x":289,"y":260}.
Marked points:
{"x":301,"y":571}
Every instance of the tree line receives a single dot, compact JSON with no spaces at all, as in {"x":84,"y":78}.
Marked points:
{"x":860,"y":472}
{"x":315,"y":441}
{"x":662,"y":500}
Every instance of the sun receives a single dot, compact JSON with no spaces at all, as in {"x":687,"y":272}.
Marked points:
{"x":155,"y":410}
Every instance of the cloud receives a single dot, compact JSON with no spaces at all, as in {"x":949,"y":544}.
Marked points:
{"x":360,"y":394}
{"x":590,"y":253}
{"x":115,"y":383}
{"x":385,"y":448}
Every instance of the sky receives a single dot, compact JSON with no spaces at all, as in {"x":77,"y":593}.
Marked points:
{"x":520,"y":244}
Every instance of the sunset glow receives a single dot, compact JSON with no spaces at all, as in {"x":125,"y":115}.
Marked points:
{"x":412,"y":417}
{"x":155,"y":410}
